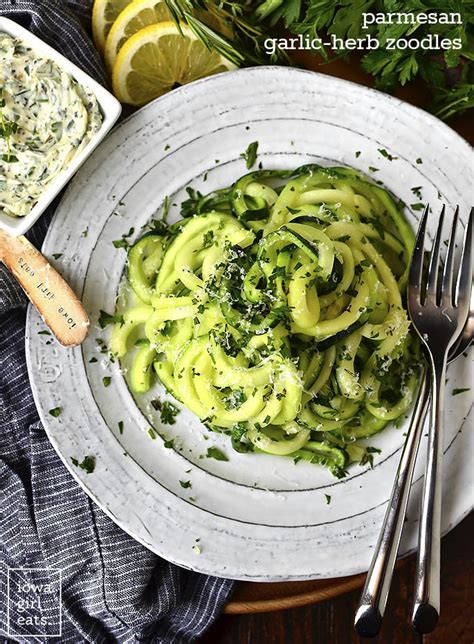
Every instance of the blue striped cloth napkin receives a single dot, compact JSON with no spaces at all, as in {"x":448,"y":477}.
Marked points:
{"x":113,"y":589}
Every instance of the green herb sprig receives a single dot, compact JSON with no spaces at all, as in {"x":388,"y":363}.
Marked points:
{"x":241,"y":36}
{"x":243,"y":27}
{"x":250,"y":154}
{"x":87,"y":464}
{"x":7,"y":129}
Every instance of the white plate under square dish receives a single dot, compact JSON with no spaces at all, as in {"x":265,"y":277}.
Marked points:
{"x":109,"y":106}
{"x":256,"y":517}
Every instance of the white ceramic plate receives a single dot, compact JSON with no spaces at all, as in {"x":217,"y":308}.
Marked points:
{"x":254,"y":517}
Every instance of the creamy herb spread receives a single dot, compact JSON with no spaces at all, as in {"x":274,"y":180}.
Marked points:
{"x":46,"y":119}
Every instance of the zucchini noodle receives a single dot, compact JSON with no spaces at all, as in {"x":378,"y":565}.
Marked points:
{"x":274,"y":311}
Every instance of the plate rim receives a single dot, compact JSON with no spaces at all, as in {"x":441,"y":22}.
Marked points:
{"x":257,"y":69}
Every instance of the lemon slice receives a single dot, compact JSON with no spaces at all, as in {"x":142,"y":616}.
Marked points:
{"x":104,"y":13}
{"x":159,"y":58}
{"x":137,"y":15}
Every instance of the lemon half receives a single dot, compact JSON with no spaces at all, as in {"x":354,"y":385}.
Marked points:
{"x":158,"y":58}
{"x":136,"y":16}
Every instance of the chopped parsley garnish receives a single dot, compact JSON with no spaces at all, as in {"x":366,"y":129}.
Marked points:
{"x":189,"y":206}
{"x":328,"y":499}
{"x":87,"y":464}
{"x":419,"y":160}
{"x":185,"y":484}
{"x":56,"y":411}
{"x":168,"y":411}
{"x":92,"y":360}
{"x":123,"y":242}
{"x":120,"y":426}
{"x":239,"y":438}
{"x":159,"y":226}
{"x":250,"y":154}
{"x":208,"y":239}
{"x":103,"y":348}
{"x":168,"y":444}
{"x":369,"y":456}
{"x":45,"y":332}
{"x":385,"y":154}
{"x":106,"y":380}
{"x":460,"y":391}
{"x":236,"y":398}
{"x":417,"y":206}
{"x":214,"y":452}
{"x":57,"y":255}
{"x":106,"y":318}
{"x":152,"y":434}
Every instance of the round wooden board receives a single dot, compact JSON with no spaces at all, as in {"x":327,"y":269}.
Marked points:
{"x":252,"y":597}
{"x":263,"y":598}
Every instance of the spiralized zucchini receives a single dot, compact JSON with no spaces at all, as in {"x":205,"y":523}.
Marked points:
{"x":273,"y":310}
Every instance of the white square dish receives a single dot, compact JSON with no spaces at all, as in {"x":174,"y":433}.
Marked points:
{"x":109,"y":107}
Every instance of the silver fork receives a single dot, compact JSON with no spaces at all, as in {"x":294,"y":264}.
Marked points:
{"x":373,"y":599}
{"x":438,"y":313}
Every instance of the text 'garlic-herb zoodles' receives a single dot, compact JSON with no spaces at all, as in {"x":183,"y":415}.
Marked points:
{"x":273,"y":311}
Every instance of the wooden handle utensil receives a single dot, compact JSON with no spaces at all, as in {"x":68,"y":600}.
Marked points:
{"x":55,"y":300}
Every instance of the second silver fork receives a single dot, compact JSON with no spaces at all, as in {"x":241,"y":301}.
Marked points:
{"x":438,"y":313}
{"x":374,"y":595}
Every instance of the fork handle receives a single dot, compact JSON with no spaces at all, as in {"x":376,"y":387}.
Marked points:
{"x":427,"y":576}
{"x":374,"y":595}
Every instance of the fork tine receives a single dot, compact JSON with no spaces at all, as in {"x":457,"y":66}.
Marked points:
{"x":433,"y":269}
{"x":464,"y":281}
{"x":416,"y":266}
{"x":447,"y":281}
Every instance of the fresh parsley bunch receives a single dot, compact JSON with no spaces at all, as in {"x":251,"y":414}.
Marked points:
{"x":448,"y":73}
{"x":247,"y":23}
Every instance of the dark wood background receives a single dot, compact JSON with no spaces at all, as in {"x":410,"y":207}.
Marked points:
{"x":330,"y":622}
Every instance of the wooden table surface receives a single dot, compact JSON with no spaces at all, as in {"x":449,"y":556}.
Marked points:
{"x":330,"y":622}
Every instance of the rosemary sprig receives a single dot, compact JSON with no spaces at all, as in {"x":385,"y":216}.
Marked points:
{"x":238,"y":18}
{"x":213,"y":40}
